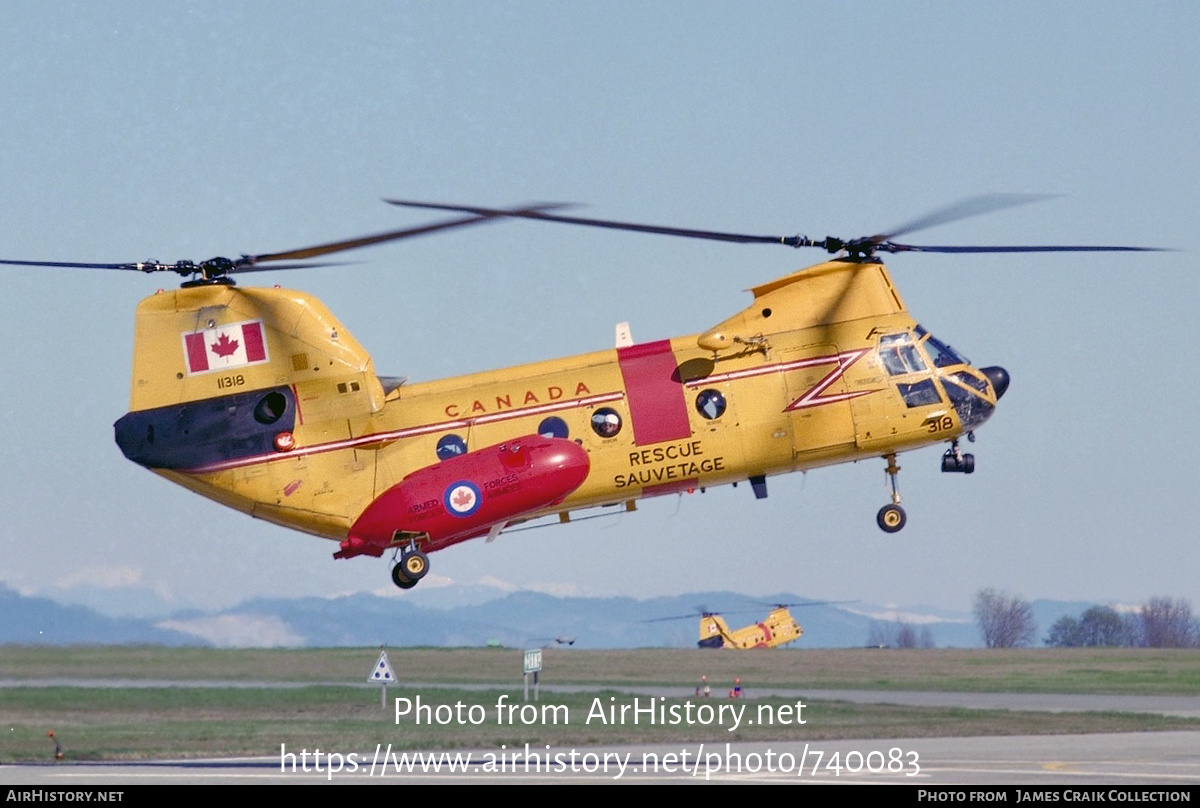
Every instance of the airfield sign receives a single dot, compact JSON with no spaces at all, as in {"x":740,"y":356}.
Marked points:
{"x":533,"y":665}
{"x":382,"y":674}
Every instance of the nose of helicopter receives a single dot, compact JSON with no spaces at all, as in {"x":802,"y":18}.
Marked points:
{"x":998,"y":376}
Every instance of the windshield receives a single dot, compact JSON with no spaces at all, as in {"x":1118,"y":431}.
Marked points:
{"x":941,"y":354}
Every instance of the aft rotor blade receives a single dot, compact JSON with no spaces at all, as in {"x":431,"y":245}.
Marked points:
{"x":69,"y":264}
{"x":691,"y":616}
{"x":379,"y":238}
{"x":249,"y":263}
{"x":711,"y":235}
{"x":216,"y":267}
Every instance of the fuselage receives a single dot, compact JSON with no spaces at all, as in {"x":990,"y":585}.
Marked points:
{"x":260,"y":399}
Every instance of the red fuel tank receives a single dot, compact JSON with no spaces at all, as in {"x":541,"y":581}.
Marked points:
{"x":465,"y":496}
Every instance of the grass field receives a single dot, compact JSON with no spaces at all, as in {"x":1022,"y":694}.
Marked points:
{"x":203,"y":702}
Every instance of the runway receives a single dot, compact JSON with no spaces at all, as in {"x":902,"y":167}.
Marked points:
{"x":1169,"y":760}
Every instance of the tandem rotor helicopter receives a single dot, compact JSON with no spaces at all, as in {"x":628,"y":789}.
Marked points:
{"x":260,"y":399}
{"x":778,"y":628}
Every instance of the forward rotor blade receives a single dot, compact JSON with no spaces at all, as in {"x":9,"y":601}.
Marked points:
{"x":394,"y":235}
{"x":802,"y":604}
{"x":362,"y":241}
{"x":888,"y":246}
{"x":711,"y":235}
{"x":975,"y":206}
{"x":274,"y":267}
{"x":963,"y":209}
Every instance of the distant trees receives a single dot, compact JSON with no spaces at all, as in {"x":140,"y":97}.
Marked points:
{"x":1098,"y":626}
{"x":898,"y":634}
{"x":1168,"y":623}
{"x":1161,"y":622}
{"x":1004,"y":621}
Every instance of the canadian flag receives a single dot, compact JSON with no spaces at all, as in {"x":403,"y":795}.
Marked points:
{"x":225,"y":347}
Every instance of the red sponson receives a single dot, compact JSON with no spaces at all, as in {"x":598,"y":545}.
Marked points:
{"x":465,"y":496}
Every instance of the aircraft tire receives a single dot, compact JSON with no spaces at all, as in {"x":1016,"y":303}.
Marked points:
{"x":415,"y":565}
{"x":400,"y":579}
{"x":891,"y":518}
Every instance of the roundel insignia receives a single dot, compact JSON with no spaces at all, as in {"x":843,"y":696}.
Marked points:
{"x":462,"y":498}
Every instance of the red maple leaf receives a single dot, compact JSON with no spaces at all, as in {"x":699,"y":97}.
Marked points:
{"x":462,"y":498}
{"x":225,"y":346}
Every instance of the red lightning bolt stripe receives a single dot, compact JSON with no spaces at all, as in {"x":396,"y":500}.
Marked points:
{"x":812,"y":397}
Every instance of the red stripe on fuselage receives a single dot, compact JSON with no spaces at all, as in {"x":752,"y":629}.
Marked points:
{"x":656,"y":403}
{"x":375,"y":439}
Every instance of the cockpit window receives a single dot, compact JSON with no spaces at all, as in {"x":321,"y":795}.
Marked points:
{"x":968,"y":380}
{"x":941,"y":353}
{"x":899,"y":355}
{"x":920,"y":394}
{"x":968,"y":401}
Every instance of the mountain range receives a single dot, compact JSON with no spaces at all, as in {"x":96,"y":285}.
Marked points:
{"x":512,"y":619}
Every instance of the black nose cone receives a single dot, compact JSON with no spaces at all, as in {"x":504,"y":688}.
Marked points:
{"x":998,"y":376}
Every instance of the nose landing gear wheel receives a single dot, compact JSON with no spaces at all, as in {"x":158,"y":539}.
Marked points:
{"x":891,"y":518}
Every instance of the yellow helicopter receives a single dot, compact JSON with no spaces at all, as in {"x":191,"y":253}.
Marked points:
{"x":260,"y":399}
{"x":777,"y":628}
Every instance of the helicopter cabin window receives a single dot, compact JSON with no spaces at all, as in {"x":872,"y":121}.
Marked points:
{"x":449,"y":446}
{"x":553,"y":427}
{"x":710,"y":404}
{"x":899,"y":355}
{"x":920,"y":394}
{"x":606,"y":422}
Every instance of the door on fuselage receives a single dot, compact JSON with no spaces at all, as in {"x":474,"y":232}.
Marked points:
{"x":817,"y":401}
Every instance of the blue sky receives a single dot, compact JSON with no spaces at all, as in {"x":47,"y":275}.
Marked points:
{"x":187,"y":130}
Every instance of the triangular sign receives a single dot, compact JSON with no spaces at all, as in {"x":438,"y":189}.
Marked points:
{"x":382,"y":674}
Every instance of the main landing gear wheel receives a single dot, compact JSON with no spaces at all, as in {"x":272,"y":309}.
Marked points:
{"x":400,"y":580}
{"x":891,"y":518}
{"x":415,"y":565}
{"x":412,"y":568}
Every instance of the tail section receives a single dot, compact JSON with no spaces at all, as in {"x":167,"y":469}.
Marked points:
{"x":207,"y":341}
{"x":713,"y":631}
{"x":229,"y":383}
